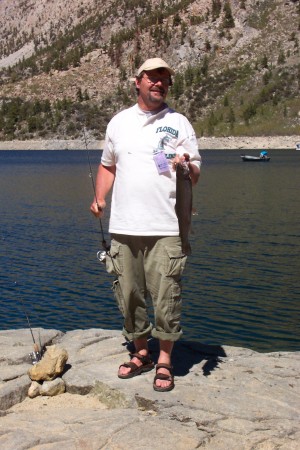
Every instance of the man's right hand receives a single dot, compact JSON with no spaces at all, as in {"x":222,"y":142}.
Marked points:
{"x":97,"y":208}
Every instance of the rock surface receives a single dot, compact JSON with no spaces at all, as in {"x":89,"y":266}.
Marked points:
{"x":224,"y":398}
{"x":205,"y":143}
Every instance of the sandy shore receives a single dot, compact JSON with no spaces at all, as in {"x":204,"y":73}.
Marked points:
{"x":211,"y":143}
{"x":51,"y":144}
{"x":246,"y":142}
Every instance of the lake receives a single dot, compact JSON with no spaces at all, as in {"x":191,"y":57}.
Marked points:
{"x":241,"y":284}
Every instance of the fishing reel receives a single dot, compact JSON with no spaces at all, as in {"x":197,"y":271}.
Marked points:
{"x":37,"y":353}
{"x":101,"y":255}
{"x":35,"y":357}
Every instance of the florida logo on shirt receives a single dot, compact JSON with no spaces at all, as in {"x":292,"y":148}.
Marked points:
{"x":168,"y":130}
{"x":164,"y":146}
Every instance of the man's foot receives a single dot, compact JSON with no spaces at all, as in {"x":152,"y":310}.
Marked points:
{"x":137,"y":365}
{"x":164,"y":378}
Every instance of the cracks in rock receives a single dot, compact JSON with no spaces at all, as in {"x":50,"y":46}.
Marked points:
{"x":15,"y":377}
{"x":110,"y":397}
{"x":17,"y":362}
{"x":145,"y":404}
{"x":204,"y":427}
{"x":54,"y":340}
{"x":80,"y":390}
{"x":95,"y":340}
{"x":109,"y":442}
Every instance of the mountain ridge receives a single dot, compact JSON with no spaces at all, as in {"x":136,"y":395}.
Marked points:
{"x":237,"y":63}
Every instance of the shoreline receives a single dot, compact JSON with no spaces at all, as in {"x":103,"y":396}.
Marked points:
{"x":205,"y":143}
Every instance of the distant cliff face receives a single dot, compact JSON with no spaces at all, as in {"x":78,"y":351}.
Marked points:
{"x":235,"y":60}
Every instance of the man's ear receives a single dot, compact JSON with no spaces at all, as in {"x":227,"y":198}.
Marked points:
{"x":137,"y":83}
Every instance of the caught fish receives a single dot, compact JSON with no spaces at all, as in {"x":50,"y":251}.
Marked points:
{"x":183,"y":206}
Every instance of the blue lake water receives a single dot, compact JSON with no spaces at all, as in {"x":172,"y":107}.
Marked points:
{"x":242,"y":282}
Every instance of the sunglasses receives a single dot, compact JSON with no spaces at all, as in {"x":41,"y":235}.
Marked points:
{"x":153,"y":80}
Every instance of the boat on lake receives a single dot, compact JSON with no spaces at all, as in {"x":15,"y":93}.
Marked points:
{"x":297,"y":145}
{"x":263,"y":157}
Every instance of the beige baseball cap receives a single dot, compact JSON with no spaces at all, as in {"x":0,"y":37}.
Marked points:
{"x":154,"y":63}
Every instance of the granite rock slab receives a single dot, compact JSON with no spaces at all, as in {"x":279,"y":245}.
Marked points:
{"x":224,"y":397}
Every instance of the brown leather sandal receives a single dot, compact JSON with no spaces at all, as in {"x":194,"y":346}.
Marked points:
{"x":135,"y":370}
{"x":162,"y":376}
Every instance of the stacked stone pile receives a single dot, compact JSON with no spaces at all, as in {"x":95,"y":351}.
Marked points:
{"x":45,"y":375}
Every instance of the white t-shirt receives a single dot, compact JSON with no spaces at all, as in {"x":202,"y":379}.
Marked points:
{"x":143,"y":200}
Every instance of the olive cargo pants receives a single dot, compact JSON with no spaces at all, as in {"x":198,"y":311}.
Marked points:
{"x":142,"y":265}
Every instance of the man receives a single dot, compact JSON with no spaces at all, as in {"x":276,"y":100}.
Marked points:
{"x":143,"y":144}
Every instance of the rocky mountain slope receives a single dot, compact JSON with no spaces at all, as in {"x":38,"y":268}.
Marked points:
{"x":65,"y":64}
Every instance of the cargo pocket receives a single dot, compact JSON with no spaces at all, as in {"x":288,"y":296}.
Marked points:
{"x":114,"y":259}
{"x":174,"y":306}
{"x":119,"y":296}
{"x":175,"y":261}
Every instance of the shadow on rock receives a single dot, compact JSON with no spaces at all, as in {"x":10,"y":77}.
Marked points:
{"x":66,"y":368}
{"x":188,"y":353}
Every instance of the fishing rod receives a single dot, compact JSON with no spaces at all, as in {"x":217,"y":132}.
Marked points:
{"x":36,"y":354}
{"x":104,"y":244}
{"x":101,"y":254}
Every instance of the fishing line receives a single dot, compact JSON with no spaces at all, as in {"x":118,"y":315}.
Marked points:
{"x":104,"y":244}
{"x":36,"y":355}
{"x":101,"y":255}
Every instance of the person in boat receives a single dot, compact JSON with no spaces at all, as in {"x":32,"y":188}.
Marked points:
{"x":263,"y":154}
{"x":141,"y":145}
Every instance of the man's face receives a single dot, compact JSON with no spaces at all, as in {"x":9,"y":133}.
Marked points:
{"x":153,"y":88}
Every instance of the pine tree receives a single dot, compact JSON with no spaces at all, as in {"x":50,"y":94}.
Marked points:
{"x":216,"y":9}
{"x":228,"y":21}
